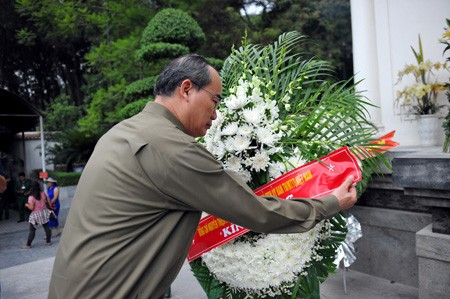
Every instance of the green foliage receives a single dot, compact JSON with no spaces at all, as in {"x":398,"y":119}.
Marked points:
{"x":215,"y":62}
{"x":26,"y":37}
{"x":65,"y":178}
{"x":223,"y":26}
{"x":114,"y":61}
{"x":156,"y":51}
{"x":173,"y":26}
{"x":58,"y":34}
{"x":101,"y":113}
{"x":132,"y":109}
{"x":326,"y":22}
{"x":141,"y":88}
{"x":72,"y":146}
{"x":61,"y":114}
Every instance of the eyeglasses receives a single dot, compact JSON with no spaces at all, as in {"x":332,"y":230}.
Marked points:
{"x":216,"y":96}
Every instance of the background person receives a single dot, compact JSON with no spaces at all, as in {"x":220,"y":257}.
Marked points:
{"x":39,"y":214}
{"x":22,"y":191}
{"x":3,"y":183}
{"x":142,"y":193}
{"x":53,"y":195}
{"x":4,"y":200}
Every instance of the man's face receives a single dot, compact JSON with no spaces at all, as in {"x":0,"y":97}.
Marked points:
{"x":203,"y":106}
{"x":22,"y":178}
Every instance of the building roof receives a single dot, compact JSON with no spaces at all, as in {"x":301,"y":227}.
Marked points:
{"x":17,"y":114}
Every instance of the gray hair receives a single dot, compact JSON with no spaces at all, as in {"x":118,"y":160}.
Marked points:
{"x":192,"y":67}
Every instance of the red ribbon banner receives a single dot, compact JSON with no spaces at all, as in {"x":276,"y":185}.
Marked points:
{"x":315,"y":179}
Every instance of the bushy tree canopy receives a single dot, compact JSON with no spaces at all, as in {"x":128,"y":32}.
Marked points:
{"x":173,"y":26}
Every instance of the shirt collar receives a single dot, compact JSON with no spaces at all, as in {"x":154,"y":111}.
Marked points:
{"x":155,"y":108}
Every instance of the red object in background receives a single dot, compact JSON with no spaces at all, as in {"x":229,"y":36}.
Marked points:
{"x":380,"y":145}
{"x":312,"y":180}
{"x":43,"y":174}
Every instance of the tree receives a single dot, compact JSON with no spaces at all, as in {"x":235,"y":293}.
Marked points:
{"x":66,"y":31}
{"x":223,"y":26}
{"x":170,"y":33}
{"x":326,"y":22}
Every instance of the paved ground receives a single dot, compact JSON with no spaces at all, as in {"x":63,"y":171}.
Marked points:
{"x":26,"y":273}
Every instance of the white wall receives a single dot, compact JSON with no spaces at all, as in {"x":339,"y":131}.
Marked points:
{"x":32,"y":151}
{"x":383,"y":32}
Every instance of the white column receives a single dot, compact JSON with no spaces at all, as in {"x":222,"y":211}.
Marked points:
{"x":41,"y":127}
{"x":365,"y":57}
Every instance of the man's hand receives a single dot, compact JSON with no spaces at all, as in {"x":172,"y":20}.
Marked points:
{"x":346,"y":193}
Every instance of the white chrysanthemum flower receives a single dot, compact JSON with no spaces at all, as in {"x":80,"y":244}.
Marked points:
{"x":260,"y":161}
{"x":240,"y":143}
{"x":235,"y":103}
{"x":261,"y":266}
{"x":218,"y":121}
{"x":253,"y":116}
{"x":229,"y":144}
{"x":246,"y":129}
{"x":245,"y":175}
{"x":256,"y":95}
{"x":276,"y":169}
{"x":219,"y":150}
{"x":265,"y":136}
{"x":230,"y":129}
{"x":217,"y":137}
{"x":241,"y":90}
{"x":233,"y":163}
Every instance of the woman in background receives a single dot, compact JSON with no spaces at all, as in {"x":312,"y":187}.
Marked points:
{"x":39,"y":214}
{"x":53,"y":195}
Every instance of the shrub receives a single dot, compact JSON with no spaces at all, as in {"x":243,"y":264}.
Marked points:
{"x":215,"y":62}
{"x":63,"y":178}
{"x":141,"y":88}
{"x":160,"y":50}
{"x":132,"y":108}
{"x":173,"y":26}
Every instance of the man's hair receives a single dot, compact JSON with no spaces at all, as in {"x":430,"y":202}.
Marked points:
{"x":192,"y":67}
{"x":21,"y":173}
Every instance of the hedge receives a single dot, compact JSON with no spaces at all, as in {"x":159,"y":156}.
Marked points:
{"x":63,"y":178}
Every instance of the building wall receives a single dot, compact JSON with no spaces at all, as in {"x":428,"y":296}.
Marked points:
{"x":383,"y":32}
{"x":32,"y":155}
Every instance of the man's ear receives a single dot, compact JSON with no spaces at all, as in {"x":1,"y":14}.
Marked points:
{"x":185,"y":87}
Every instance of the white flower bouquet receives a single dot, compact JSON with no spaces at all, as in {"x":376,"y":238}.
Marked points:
{"x":279,"y":112}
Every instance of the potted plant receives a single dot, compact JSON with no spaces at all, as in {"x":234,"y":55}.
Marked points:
{"x":421,"y":97}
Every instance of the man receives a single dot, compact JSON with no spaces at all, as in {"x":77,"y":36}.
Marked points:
{"x":22,"y":192}
{"x":140,"y":197}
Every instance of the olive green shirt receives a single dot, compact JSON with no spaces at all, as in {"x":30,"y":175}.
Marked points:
{"x":138,"y":204}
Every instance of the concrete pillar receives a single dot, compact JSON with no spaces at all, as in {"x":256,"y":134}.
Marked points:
{"x":365,"y":56}
{"x":433,"y":252}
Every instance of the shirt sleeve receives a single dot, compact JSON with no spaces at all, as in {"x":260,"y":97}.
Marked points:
{"x":194,"y":178}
